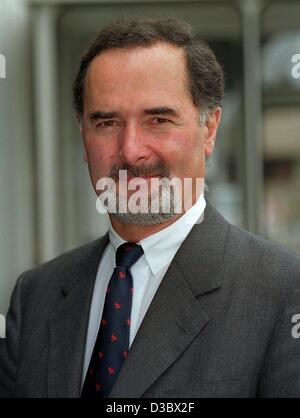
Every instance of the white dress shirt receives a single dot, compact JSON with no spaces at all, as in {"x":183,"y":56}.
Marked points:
{"x":147,"y":273}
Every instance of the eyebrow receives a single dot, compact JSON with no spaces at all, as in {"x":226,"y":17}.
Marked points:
{"x":98,"y":114}
{"x":162,"y":110}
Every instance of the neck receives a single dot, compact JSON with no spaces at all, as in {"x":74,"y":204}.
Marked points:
{"x":135,"y":233}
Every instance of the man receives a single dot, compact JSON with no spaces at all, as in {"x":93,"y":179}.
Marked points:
{"x":175,"y":303}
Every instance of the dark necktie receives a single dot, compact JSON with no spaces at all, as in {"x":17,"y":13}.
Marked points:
{"x":112,"y":343}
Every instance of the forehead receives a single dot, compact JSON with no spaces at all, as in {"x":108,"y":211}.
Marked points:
{"x":143,"y":71}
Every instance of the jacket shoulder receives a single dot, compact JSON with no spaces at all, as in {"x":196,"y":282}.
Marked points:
{"x":273,"y":264}
{"x":66,"y":265}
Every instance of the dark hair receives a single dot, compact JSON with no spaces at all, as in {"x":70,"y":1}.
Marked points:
{"x":206,"y":80}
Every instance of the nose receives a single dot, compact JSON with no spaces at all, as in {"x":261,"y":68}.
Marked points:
{"x":134,"y":149}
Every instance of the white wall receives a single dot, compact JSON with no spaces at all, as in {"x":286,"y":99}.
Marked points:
{"x":16,"y":145}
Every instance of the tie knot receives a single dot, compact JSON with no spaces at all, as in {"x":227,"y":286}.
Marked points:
{"x":127,"y":254}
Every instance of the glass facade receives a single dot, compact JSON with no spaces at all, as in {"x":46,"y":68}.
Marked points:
{"x":281,"y":122}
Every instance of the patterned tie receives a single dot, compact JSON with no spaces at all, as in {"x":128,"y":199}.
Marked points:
{"x":112,"y":343}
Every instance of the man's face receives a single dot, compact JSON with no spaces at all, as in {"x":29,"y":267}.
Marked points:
{"x":138,"y":114}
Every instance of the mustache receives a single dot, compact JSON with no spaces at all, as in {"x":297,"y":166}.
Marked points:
{"x":145,"y":170}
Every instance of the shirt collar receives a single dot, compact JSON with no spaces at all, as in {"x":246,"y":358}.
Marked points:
{"x":161,"y":247}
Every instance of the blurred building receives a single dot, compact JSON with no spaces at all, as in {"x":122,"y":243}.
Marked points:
{"x":47,"y":204}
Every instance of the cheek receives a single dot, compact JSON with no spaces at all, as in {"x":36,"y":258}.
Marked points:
{"x":100,"y":157}
{"x":180,"y":151}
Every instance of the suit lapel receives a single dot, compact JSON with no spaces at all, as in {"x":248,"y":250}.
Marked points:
{"x":173,"y":320}
{"x":68,"y":325}
{"x":176,"y":316}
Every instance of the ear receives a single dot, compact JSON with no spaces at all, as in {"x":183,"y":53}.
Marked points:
{"x":211,"y":125}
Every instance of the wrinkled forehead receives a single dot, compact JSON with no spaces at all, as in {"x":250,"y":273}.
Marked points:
{"x":161,"y":67}
{"x":160,"y":57}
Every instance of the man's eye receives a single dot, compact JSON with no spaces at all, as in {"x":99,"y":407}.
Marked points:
{"x":106,"y":124}
{"x":160,"y":121}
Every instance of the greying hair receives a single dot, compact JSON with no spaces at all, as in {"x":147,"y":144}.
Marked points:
{"x":205,"y":75}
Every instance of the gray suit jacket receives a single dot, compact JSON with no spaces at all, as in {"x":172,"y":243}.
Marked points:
{"x":220,"y":324}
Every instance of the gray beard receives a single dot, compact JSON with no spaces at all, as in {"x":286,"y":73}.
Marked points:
{"x":143,"y":218}
{"x":166,"y":197}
